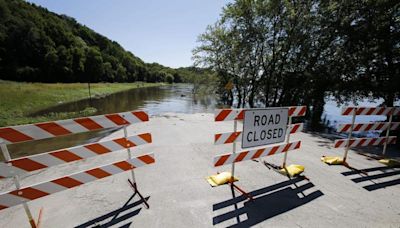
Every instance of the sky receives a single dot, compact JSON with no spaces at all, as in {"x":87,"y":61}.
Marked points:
{"x":162,"y":31}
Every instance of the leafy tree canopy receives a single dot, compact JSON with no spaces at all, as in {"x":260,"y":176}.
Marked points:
{"x":37,"y":45}
{"x":280,"y":53}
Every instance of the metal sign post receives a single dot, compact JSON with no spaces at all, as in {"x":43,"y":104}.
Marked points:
{"x":232,"y":182}
{"x":388,"y":131}
{"x":234,"y":152}
{"x":133,"y":182}
{"x":289,"y":125}
{"x":129,"y":154}
{"x":350,"y":135}
{"x":7,"y":158}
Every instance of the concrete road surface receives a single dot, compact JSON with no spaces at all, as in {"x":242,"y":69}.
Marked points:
{"x":179,"y":195}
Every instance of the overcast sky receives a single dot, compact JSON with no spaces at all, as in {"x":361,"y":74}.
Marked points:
{"x":162,"y":31}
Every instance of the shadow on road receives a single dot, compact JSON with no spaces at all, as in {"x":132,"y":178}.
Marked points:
{"x":127,"y":211}
{"x":268,"y":202}
{"x":375,"y":176}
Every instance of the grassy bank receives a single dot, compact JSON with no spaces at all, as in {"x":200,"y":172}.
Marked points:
{"x":18,"y":100}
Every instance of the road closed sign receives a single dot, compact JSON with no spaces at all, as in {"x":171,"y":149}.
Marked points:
{"x":264,"y":126}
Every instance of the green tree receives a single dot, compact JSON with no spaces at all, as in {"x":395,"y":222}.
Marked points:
{"x":297,"y":52}
{"x":169,"y":78}
{"x":93,"y":65}
{"x":38,"y":45}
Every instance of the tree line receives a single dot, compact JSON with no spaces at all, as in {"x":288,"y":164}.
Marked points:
{"x":37,"y":45}
{"x":279,"y":53}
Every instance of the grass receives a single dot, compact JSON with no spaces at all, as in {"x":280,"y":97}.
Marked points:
{"x":18,"y":100}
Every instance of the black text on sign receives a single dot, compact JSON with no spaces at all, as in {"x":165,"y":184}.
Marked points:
{"x":264,"y":126}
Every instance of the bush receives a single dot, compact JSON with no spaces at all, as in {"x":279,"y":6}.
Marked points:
{"x":169,"y":78}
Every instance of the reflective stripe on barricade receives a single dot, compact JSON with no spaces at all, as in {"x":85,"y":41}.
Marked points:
{"x":238,"y":114}
{"x":45,"y":160}
{"x":360,"y":142}
{"x":379,"y":126}
{"x":297,"y":111}
{"x":370,"y":111}
{"x":253,"y":154}
{"x":23,"y":133}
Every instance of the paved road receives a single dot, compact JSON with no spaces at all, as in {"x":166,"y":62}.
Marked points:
{"x":179,"y":196}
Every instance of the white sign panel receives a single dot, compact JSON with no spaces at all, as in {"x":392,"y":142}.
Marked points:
{"x":264,"y":126}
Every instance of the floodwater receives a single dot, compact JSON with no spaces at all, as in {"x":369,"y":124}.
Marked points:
{"x":156,"y":101}
{"x":179,"y":98}
{"x":332,"y":111}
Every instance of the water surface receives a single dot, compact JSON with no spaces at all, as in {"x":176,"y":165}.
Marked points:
{"x":154,"y":100}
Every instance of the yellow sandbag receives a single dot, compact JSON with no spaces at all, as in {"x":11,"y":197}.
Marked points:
{"x":332,"y":160}
{"x":292,"y":170}
{"x":220,"y":179}
{"x":390,"y":162}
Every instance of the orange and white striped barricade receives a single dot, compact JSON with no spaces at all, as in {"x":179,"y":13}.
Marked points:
{"x":13,"y":168}
{"x":364,"y":127}
{"x":237,"y":136}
